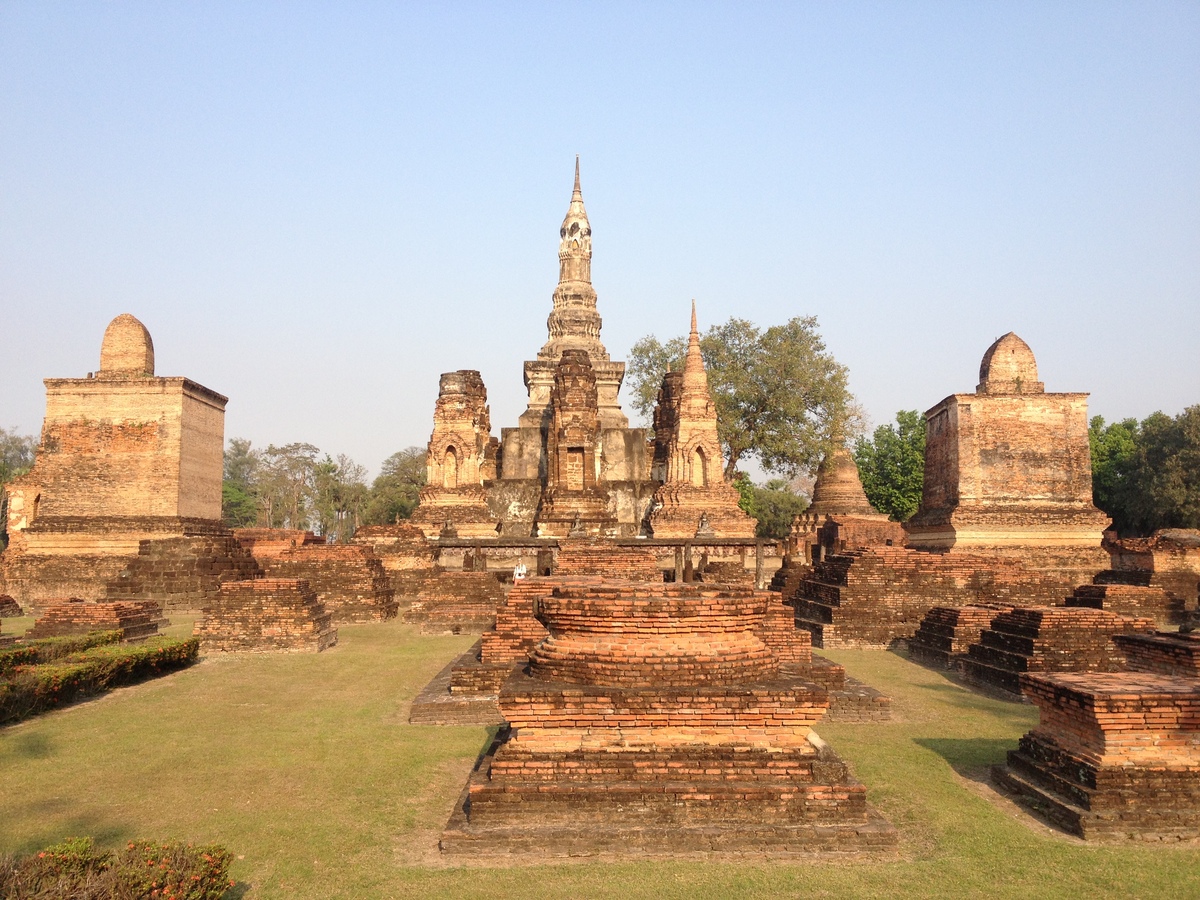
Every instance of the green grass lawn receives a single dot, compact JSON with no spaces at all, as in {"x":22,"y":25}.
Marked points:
{"x":304,"y":766}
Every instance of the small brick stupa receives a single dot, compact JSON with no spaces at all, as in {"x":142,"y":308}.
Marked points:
{"x":460,"y":457}
{"x":694,"y":499}
{"x":656,"y":719}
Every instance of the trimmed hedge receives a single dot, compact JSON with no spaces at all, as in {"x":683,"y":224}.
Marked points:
{"x":142,"y":870}
{"x":29,"y":689}
{"x":44,"y":650}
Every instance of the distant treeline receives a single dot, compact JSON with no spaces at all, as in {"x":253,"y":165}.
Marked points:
{"x":295,"y":486}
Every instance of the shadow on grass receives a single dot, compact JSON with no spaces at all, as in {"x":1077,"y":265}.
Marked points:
{"x":24,"y":745}
{"x":969,"y":756}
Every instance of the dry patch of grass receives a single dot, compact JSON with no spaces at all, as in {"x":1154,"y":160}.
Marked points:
{"x":302,"y":766}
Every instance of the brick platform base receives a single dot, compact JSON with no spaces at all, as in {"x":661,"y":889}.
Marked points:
{"x":662,"y":719}
{"x":266,"y":614}
{"x":875,"y":597}
{"x":1131,"y":600}
{"x":1164,"y":653}
{"x":947,"y":632}
{"x":457,"y":602}
{"x":1115,"y":756}
{"x":1047,"y":639}
{"x":183,"y":573}
{"x":10,"y":608}
{"x":136,"y":620}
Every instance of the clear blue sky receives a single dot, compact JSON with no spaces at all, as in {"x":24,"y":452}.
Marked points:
{"x":318,"y":208}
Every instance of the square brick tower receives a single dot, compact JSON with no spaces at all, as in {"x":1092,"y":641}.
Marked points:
{"x":125,"y":456}
{"x":1008,"y":471}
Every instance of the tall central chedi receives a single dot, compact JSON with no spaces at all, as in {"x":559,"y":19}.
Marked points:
{"x":574,"y":324}
{"x":573,"y":457}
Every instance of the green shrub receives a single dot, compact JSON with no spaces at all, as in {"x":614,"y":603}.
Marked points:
{"x":142,"y":870}
{"x":29,"y":689}
{"x":44,"y":650}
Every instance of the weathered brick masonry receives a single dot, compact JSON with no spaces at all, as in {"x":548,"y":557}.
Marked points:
{"x":125,"y":456}
{"x":947,"y":632}
{"x":1114,"y":756}
{"x":873,"y":597}
{"x":183,"y":573}
{"x":266,"y":614}
{"x":654,"y":719}
{"x":1048,"y":639}
{"x":349,"y":579}
{"x":136,"y":620}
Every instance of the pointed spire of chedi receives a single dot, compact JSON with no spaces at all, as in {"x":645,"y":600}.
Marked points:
{"x":694,"y":376}
{"x":574,"y":323}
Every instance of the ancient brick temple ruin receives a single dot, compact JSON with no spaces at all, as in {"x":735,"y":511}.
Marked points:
{"x":1116,"y":756}
{"x":573,"y":463}
{"x":572,"y":468}
{"x":1006,"y":516}
{"x":461,"y":456}
{"x":693,"y":498}
{"x":1008,"y":472}
{"x":125,"y":457}
{"x":662,"y":718}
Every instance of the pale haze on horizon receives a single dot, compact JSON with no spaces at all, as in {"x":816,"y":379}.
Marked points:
{"x":316,"y":209}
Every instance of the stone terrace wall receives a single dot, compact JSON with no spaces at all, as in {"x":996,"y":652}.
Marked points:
{"x":873,"y":597}
{"x":1130,"y":600}
{"x":1048,"y":639}
{"x":348,"y":579}
{"x":266,"y":614}
{"x":183,"y":573}
{"x":135,"y":620}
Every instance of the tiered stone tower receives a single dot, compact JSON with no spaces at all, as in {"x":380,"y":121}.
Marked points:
{"x":574,"y":324}
{"x":125,"y":456}
{"x":460,"y":457}
{"x":620,"y":452}
{"x":694,"y":498}
{"x":575,"y":501}
{"x":1008,"y":471}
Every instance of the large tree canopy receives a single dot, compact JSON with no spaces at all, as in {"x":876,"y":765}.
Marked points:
{"x":1147,"y":475}
{"x":891,"y":464}
{"x":781,"y":397}
{"x":394,"y":492}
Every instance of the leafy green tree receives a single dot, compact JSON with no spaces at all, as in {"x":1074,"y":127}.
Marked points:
{"x":1147,"y":475}
{"x":781,"y":397}
{"x":1166,"y":484}
{"x":891,"y":464}
{"x":16,"y":454}
{"x":774,"y":505}
{"x":1114,"y":466}
{"x":339,"y":494}
{"x":240,"y":507}
{"x":286,"y":483}
{"x":394,"y":494}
